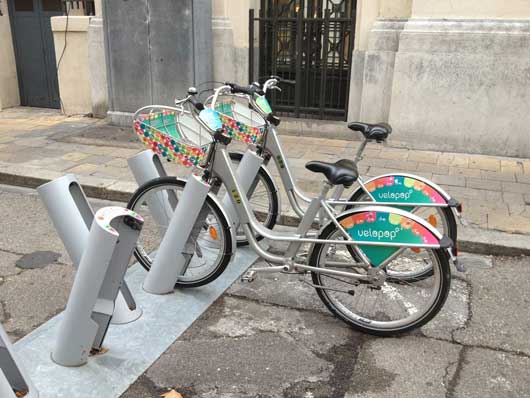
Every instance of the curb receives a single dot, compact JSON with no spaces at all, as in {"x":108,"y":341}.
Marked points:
{"x":471,"y":239}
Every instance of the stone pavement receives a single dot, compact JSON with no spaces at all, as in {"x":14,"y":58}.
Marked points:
{"x":38,"y":144}
{"x":273,"y":338}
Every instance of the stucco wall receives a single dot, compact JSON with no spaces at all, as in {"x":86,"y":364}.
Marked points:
{"x":230,"y":39}
{"x":452,"y":75}
{"x":74,"y":77}
{"x":471,"y":9}
{"x":9,"y":91}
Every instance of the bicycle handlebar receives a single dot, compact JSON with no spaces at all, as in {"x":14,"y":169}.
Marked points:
{"x":248,"y":90}
{"x":198,"y":105}
{"x":273,"y":81}
{"x":192,"y":91}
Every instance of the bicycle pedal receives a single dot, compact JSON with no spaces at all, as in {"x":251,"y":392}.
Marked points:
{"x":248,"y":276}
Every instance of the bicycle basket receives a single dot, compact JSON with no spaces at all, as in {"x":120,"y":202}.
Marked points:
{"x":239,"y":121}
{"x":172,"y":133}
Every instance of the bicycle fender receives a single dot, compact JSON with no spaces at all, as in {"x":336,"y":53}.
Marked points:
{"x":407,"y":188}
{"x":387,"y":229}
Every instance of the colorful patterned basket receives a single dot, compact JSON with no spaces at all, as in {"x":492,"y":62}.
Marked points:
{"x":173,"y":134}
{"x":239,"y":121}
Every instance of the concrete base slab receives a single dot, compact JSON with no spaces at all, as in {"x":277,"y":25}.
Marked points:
{"x":132,"y":347}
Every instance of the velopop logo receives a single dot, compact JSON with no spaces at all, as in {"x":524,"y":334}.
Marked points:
{"x":378,"y":234}
{"x":395,"y":195}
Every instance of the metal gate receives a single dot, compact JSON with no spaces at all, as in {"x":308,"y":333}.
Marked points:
{"x":310,"y":41}
{"x":35,"y":52}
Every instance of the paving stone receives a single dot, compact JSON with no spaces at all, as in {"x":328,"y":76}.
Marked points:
{"x":526,"y":167}
{"x":516,"y":187}
{"x":75,"y":156}
{"x":460,"y":160}
{"x":400,"y":165}
{"x":52,"y":164}
{"x":510,"y":197}
{"x":445,"y":159}
{"x":377,"y":171}
{"x":497,"y":176}
{"x":85,"y":168}
{"x":91,"y":181}
{"x":486,"y":373}
{"x":432,"y":168}
{"x":397,"y":154}
{"x":112,"y":172}
{"x":383,"y":370}
{"x":423,"y":157}
{"x":449,"y":180}
{"x":523,"y":178}
{"x":120,"y":162}
{"x":4,"y":139}
{"x":511,"y":223}
{"x":484,"y":163}
{"x":483,"y":184}
{"x":495,"y":323}
{"x":511,"y":166}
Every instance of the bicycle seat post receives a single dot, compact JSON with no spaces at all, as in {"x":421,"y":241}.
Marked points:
{"x":326,"y":186}
{"x":360,"y":150}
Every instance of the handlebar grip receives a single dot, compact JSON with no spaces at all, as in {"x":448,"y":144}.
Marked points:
{"x":198,"y":105}
{"x":237,"y":89}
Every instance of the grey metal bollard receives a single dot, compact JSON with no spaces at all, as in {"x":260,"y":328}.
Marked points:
{"x":247,"y":170}
{"x":72,"y":216}
{"x":12,"y":376}
{"x":170,"y":261}
{"x":147,"y":166}
{"x":103,"y":265}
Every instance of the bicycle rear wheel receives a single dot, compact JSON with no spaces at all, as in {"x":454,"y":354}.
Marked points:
{"x":390,"y":307}
{"x":155,"y":201}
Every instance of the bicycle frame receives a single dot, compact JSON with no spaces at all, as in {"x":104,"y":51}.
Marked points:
{"x":171,"y":261}
{"x":222,"y":168}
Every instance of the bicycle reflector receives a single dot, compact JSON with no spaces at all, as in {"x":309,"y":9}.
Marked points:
{"x":213,"y":232}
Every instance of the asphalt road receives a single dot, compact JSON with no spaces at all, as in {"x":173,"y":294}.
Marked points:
{"x":273,"y":338}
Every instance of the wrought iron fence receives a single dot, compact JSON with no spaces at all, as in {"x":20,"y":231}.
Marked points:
{"x":87,"y":6}
{"x":310,"y":41}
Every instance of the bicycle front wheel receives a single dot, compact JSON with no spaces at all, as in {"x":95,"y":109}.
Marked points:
{"x":156,"y":201}
{"x":389,"y":307}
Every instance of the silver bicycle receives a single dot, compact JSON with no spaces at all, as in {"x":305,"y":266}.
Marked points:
{"x":189,"y":237}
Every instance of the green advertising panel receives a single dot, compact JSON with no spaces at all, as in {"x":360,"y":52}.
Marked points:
{"x":401,"y":189}
{"x":385,"y":227}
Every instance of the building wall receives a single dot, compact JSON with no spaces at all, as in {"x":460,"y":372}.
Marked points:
{"x":471,"y":9}
{"x":230,"y":39}
{"x":449,"y":75}
{"x":73,"y":73}
{"x":9,"y":91}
